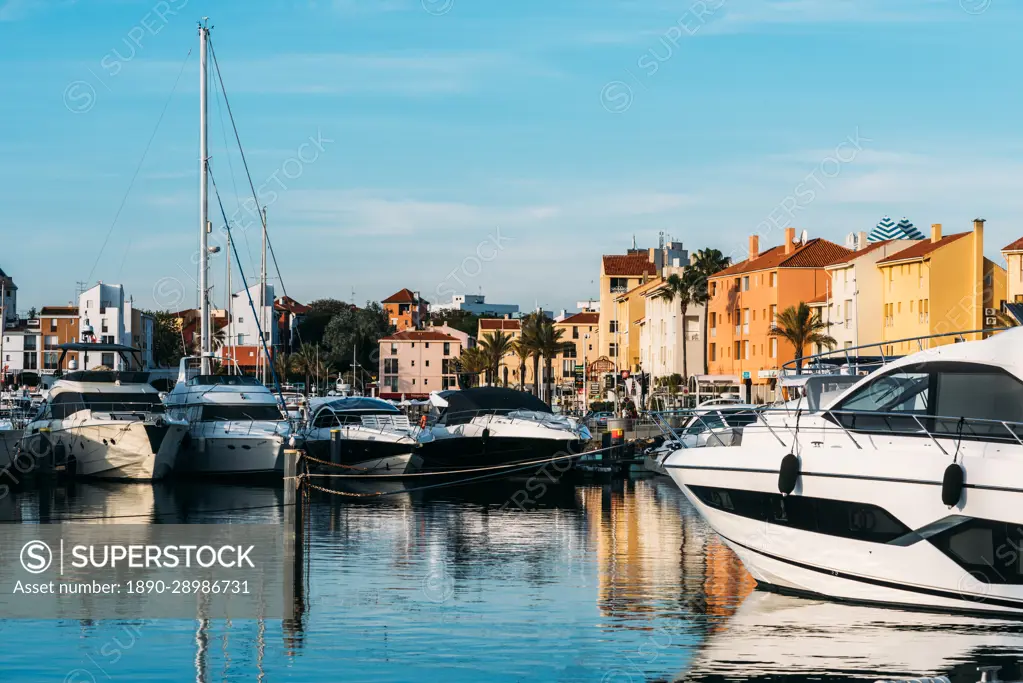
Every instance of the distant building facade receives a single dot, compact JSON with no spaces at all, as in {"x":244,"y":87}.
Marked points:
{"x":106,"y":316}
{"x":475,"y":304}
{"x":415,"y":362}
{"x":406,"y":310}
{"x":1013,"y":254}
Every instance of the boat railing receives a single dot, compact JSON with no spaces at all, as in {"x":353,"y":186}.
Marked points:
{"x":116,"y":409}
{"x":866,"y":358}
{"x":787,"y":427}
{"x":453,"y":418}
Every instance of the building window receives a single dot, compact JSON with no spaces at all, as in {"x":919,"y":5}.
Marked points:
{"x":619,"y":285}
{"x":774,"y":312}
{"x":50,"y":360}
{"x":745,"y":349}
{"x":391,"y":383}
{"x":30,"y":343}
{"x":107,"y":359}
{"x":241,"y":319}
{"x":425,"y":381}
{"x":30,"y":362}
{"x":447,"y":348}
{"x":575,"y":332}
{"x":427,"y":363}
{"x":774,"y":279}
{"x":413,"y":364}
{"x":612,"y":350}
{"x":53,"y":324}
{"x":50,"y":342}
{"x":394,"y":349}
{"x":427,"y":345}
{"x":713,"y":351}
{"x":774,"y":347}
{"x":612,"y":326}
{"x":390,"y":366}
{"x":745,"y":283}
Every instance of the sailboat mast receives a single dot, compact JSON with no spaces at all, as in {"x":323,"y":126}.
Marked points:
{"x":262,"y":303}
{"x":204,"y":303}
{"x":230,"y":310}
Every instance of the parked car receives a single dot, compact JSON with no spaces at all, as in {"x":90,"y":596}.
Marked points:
{"x":600,"y":418}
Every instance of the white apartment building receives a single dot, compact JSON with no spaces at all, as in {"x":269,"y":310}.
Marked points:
{"x":244,"y":329}
{"x":664,"y":335}
{"x":1013,"y":254}
{"x":854,"y":303}
{"x":106,"y":317}
{"x":477,"y":305}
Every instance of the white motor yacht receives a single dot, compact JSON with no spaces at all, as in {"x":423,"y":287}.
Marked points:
{"x":906,"y":489}
{"x":713,"y":423}
{"x":374,"y":437}
{"x":105,"y":423}
{"x":235,"y":423}
{"x":494,"y":426}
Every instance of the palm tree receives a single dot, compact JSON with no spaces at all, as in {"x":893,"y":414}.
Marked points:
{"x":801,"y":326}
{"x":495,"y":347}
{"x":549,"y":345}
{"x":685,"y":289}
{"x":707,"y":263}
{"x":529,"y":339}
{"x":307,"y":361}
{"x":472,"y":362}
{"x":282,"y":365}
{"x":522,"y":350}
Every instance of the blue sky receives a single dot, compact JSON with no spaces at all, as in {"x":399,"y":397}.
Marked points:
{"x":502,"y":147}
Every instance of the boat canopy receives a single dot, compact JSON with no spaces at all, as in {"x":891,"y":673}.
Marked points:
{"x":491,"y":399}
{"x":357,"y":404}
{"x":107,"y":376}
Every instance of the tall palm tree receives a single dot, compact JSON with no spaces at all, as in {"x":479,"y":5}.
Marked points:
{"x":529,"y":338}
{"x":707,"y":263}
{"x":523,"y":352}
{"x":495,"y":346}
{"x":801,"y":326}
{"x":685,"y":289}
{"x":282,"y":364}
{"x":549,"y":345}
{"x":471,"y":363}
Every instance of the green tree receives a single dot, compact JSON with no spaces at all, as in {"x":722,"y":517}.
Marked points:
{"x":548,"y":343}
{"x":685,"y":289}
{"x":529,"y":338}
{"x":167,"y":346}
{"x":309,"y":362}
{"x":463,"y":321}
{"x":707,"y":263}
{"x":801,"y":326}
{"x":471,"y":363}
{"x":495,"y":346}
{"x":314,"y":323}
{"x":522,"y":352}
{"x":361,"y":328}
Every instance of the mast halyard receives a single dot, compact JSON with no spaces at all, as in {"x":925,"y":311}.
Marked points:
{"x":205,"y":348}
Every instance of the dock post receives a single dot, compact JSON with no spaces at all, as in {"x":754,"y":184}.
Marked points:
{"x":335,"y":446}
{"x":293,"y":508}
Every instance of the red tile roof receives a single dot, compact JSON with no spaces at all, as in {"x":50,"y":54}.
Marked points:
{"x":822,"y":299}
{"x":581,"y":319}
{"x":402,"y":296}
{"x":632,"y":264}
{"x":922,"y":249}
{"x":873,"y":246}
{"x":286,"y":303}
{"x":816,"y":253}
{"x":499,"y":324}
{"x":59,"y":310}
{"x":1015,"y":246}
{"x":420,"y":335}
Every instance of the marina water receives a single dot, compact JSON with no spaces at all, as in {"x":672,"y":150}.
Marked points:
{"x":606,"y":583}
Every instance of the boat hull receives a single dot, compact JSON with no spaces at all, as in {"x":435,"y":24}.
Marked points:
{"x":360,"y":457}
{"x":258,"y":455}
{"x":464,"y":452}
{"x":867,"y":524}
{"x":115,"y":450}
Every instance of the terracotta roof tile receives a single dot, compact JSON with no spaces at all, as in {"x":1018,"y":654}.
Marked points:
{"x":59,"y":310}
{"x":873,"y":246}
{"x":402,"y":296}
{"x":922,"y":249}
{"x":420,"y":335}
{"x":816,"y":253}
{"x":822,"y":299}
{"x":1015,"y":246}
{"x":581,"y":319}
{"x":633,"y":264}
{"x":499,"y":324}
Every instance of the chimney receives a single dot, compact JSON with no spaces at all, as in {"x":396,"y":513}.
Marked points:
{"x":861,"y":240}
{"x":790,"y":236}
{"x":754,"y":246}
{"x":936,"y":232}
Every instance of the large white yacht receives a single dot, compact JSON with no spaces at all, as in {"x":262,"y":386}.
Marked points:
{"x":373,"y":436}
{"x":105,"y":423}
{"x":907,"y":489}
{"x":493,"y":426}
{"x":235,"y":423}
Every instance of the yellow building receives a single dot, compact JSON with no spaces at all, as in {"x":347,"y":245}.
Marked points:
{"x":581,"y":332}
{"x":1013,"y":254}
{"x":629,"y":312}
{"x":510,"y":365}
{"x":938,"y":286}
{"x":618,"y":275}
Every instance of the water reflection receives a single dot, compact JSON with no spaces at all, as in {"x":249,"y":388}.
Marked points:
{"x":775,"y":636}
{"x":587,"y":583}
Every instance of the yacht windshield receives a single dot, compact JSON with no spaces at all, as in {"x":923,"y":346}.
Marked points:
{"x":69,"y":402}
{"x":224,"y":380}
{"x":241,"y":413}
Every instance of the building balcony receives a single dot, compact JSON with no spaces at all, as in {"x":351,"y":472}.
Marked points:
{"x":713,"y":331}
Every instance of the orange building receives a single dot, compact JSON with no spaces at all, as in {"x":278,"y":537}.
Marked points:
{"x":746,"y":297}
{"x":57,"y":325}
{"x":406,"y":310}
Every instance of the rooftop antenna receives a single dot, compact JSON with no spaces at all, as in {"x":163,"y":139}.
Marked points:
{"x":634,"y":241}
{"x":660,"y":240}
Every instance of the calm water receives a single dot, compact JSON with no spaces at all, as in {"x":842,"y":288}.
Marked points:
{"x":609,"y":584}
